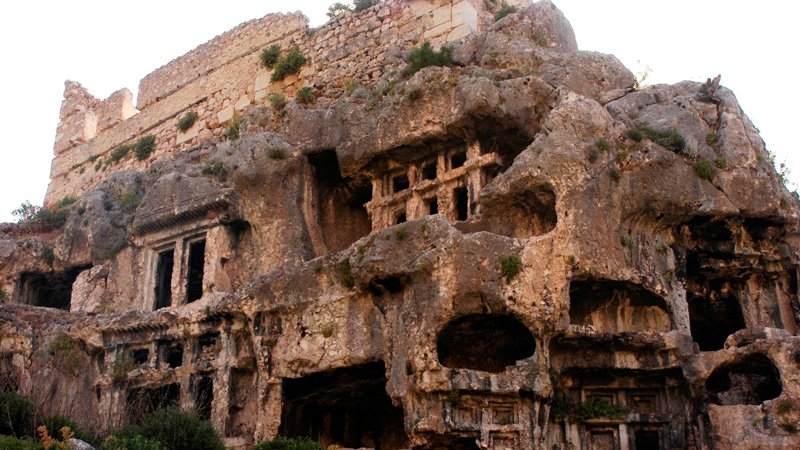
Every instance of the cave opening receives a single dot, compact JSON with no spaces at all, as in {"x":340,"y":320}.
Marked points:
{"x":339,"y":202}
{"x":196,"y":264}
{"x":458,"y":159}
{"x":750,"y":380}
{"x":714,"y":314}
{"x":611,"y":306}
{"x":49,"y":289}
{"x":347,"y":407}
{"x":485,"y":342}
{"x":166,"y":261}
{"x":461,"y":196}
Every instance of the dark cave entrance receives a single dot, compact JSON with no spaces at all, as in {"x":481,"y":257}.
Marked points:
{"x":166,"y":260}
{"x":347,"y":407}
{"x":748,"y":381}
{"x":714,"y":314}
{"x":49,"y":289}
{"x":486,"y":342}
{"x":339,"y":202}
{"x":194,"y":278}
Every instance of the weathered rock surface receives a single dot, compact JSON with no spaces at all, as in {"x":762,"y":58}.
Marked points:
{"x":525,"y":253}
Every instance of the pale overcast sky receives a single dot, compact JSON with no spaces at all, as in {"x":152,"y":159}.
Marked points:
{"x":107,"y":45}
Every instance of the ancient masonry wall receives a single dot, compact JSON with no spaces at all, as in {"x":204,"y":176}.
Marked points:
{"x":222,"y":78}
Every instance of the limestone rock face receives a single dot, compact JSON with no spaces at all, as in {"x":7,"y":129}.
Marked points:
{"x":518,"y":250}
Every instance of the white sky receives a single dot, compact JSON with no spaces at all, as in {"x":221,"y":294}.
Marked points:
{"x":106,"y":47}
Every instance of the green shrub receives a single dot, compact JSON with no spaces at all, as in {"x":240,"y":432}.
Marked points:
{"x":788,"y":427}
{"x":360,"y":5}
{"x":594,"y":408}
{"x":704,"y":170}
{"x":118,"y":154}
{"x":233,"y":132}
{"x":425,"y":56}
{"x":289,"y":64}
{"x":615,"y":175}
{"x":123,"y":363}
{"x":215,"y":168}
{"x":48,"y":255}
{"x":270,"y":55}
{"x":344,"y":273}
{"x":176,"y":430}
{"x":277,"y":153}
{"x":132,"y":443}
{"x":634,"y":134}
{"x":66,"y":353}
{"x":278,"y":101}
{"x":188,"y":120}
{"x":3,"y":295}
{"x":144,"y":147}
{"x":16,"y":415}
{"x":669,"y":139}
{"x":720,"y":162}
{"x":130,"y":199}
{"x":504,"y":11}
{"x":282,"y":443}
{"x":66,"y":202}
{"x":55,"y":423}
{"x":337,"y":9}
{"x":602,"y":145}
{"x":784,"y":407}
{"x":712,"y":140}
{"x":305,"y":95}
{"x":510,"y":266}
{"x":12,"y":443}
{"x":414,"y":94}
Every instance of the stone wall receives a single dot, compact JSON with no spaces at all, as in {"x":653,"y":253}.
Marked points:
{"x":223,"y":78}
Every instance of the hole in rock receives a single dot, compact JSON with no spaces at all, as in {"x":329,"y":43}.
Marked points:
{"x":644,"y":439}
{"x":194,"y":278}
{"x":339,"y":202}
{"x":487,"y":342}
{"x":347,"y":407}
{"x":458,"y":159}
{"x":390,"y":284}
{"x":49,"y":289}
{"x":400,"y":183}
{"x":714,"y":314}
{"x":461,"y":196}
{"x":750,"y":380}
{"x":507,"y":143}
{"x":170,"y":353}
{"x":616,"y":307}
{"x":433,"y":206}
{"x":203,"y":395}
{"x":143,"y":401}
{"x":166,"y":261}
{"x":429,"y":171}
{"x":401,"y":218}
{"x":140,"y":356}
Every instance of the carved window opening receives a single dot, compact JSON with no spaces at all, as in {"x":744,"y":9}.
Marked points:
{"x":458,"y":159}
{"x":166,"y":261}
{"x":714,"y":315}
{"x":143,"y":401}
{"x":486,"y":342}
{"x":751,"y":380}
{"x":194,"y":278}
{"x":337,"y":203}
{"x":400,"y":183}
{"x":521,"y":215}
{"x":170,"y":354}
{"x":433,"y":206}
{"x":347,"y":407}
{"x":203,"y":395}
{"x":48,"y":289}
{"x":646,"y":439}
{"x":140,"y":356}
{"x":429,"y":171}
{"x":401,"y":218}
{"x":616,"y":307}
{"x":461,"y":200}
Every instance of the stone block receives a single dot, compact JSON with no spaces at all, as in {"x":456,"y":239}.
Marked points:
{"x":465,"y":14}
{"x":263,"y":79}
{"x":115,"y":109}
{"x":225,"y":115}
{"x":436,"y":31}
{"x":187,"y":135}
{"x":242,"y":103}
{"x":88,"y":291}
{"x":442,"y":15}
{"x":421,"y":7}
{"x":459,"y":32}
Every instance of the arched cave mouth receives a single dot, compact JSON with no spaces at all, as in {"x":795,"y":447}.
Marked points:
{"x":750,"y":380}
{"x":485,"y":342}
{"x":616,"y":307}
{"x":49,"y":289}
{"x":346,"y":407}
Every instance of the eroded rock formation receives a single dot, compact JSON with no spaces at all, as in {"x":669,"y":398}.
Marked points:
{"x":515,"y":251}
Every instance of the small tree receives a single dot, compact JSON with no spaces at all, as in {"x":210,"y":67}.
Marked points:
{"x":338,"y":9}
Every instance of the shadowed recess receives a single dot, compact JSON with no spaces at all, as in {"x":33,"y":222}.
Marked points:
{"x":486,"y":342}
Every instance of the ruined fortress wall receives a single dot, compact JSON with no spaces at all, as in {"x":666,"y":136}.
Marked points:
{"x":222,"y":78}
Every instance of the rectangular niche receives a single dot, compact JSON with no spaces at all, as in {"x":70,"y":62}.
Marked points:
{"x":48,"y":289}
